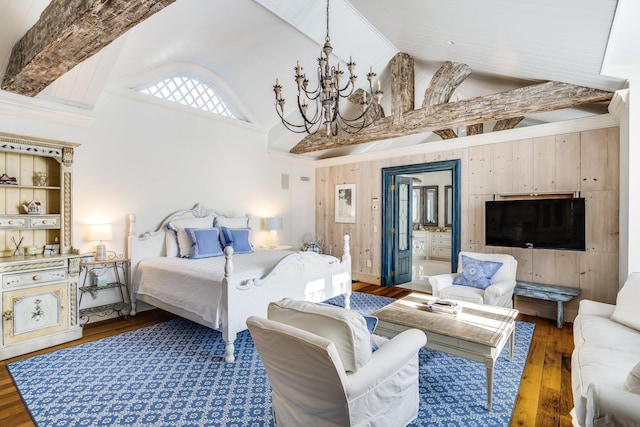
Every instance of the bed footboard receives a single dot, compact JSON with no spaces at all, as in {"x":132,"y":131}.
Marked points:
{"x":303,"y":275}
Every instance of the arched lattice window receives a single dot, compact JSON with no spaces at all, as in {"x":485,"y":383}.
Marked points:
{"x":192,"y":91}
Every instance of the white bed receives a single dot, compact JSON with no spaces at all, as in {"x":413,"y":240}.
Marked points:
{"x":222,"y":292}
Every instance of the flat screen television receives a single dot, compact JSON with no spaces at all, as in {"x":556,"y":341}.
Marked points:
{"x":536,"y":223}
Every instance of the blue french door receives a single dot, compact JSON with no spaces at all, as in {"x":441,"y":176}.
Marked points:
{"x":394,"y":263}
{"x":402,"y":226}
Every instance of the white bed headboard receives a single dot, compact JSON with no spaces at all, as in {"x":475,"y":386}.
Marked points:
{"x":152,"y":244}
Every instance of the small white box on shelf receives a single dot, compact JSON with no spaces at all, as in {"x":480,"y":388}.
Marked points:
{"x":52,"y":249}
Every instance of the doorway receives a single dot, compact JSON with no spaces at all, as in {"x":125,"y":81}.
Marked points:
{"x":396,"y":229}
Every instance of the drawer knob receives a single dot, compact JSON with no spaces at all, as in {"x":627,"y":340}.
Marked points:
{"x":11,"y":222}
{"x":44,"y":221}
{"x":36,"y":277}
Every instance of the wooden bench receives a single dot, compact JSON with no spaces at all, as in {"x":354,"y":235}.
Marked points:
{"x":559,"y":294}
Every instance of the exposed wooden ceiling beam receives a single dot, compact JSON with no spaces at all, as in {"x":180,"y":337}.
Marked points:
{"x":533,"y":99}
{"x":67,"y":33}
{"x":402,"y":86}
{"x":443,"y":83}
{"x":476,"y":129}
{"x":505,"y":124}
{"x":446,"y":133}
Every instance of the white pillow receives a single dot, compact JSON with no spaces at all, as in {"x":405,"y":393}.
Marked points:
{"x":171,"y":243}
{"x":626,"y":311}
{"x":182,"y":238}
{"x":229,"y":222}
{"x":632,"y":384}
{"x":346,"y":328}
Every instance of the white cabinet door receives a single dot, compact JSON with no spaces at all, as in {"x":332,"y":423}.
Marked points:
{"x":419,"y":243}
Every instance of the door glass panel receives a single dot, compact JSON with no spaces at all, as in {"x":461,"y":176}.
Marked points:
{"x":403,"y":217}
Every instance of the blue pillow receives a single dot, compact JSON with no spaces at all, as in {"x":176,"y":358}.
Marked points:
{"x":226,"y":238}
{"x":372,"y":322}
{"x":238,"y":238}
{"x":205,"y":242}
{"x":476,"y":273}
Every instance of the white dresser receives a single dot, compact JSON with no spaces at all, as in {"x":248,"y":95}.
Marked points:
{"x":440,"y":245}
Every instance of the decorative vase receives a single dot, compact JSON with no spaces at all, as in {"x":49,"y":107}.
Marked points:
{"x":42,"y":179}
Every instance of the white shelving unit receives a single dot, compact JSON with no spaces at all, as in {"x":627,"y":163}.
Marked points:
{"x":39,"y":292}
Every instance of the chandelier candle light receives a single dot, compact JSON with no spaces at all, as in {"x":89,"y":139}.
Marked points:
{"x":326,"y":97}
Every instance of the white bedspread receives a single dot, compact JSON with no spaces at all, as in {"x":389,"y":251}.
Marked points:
{"x":195,"y":284}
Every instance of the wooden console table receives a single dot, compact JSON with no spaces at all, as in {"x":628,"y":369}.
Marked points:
{"x":559,"y":294}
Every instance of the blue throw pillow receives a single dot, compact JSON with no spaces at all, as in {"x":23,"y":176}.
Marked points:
{"x":477,"y":273}
{"x":226,"y":238}
{"x":205,"y":242}
{"x":372,"y":322}
{"x":238,"y":238}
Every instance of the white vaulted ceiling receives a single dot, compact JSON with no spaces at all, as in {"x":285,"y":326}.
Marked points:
{"x":245,"y":44}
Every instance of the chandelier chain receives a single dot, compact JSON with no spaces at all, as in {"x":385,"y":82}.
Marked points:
{"x":327,"y":37}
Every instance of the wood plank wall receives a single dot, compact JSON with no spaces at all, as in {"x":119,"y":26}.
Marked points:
{"x":584,"y":163}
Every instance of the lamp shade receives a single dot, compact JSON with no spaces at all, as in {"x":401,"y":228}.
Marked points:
{"x":273,"y":223}
{"x":100,"y":232}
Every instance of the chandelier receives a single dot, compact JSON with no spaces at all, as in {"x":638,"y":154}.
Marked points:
{"x":320,"y":107}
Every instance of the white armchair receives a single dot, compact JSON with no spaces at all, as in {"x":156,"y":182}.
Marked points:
{"x":499,"y":293}
{"x":323,"y":372}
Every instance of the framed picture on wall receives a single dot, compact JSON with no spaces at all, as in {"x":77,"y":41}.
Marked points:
{"x":346,"y":203}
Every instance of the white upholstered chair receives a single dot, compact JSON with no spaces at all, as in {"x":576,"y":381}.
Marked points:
{"x":323,"y":372}
{"x":499,"y":292}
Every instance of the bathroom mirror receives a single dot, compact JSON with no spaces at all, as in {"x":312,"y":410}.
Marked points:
{"x":448,"y":205}
{"x":425,"y":205}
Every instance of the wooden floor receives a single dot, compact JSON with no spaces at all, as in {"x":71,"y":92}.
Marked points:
{"x":544,"y":398}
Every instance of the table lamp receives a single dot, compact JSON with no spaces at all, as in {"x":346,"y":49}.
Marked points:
{"x":273,"y":224}
{"x":100,"y":232}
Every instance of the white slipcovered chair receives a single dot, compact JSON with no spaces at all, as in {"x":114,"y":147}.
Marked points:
{"x":323,"y":371}
{"x":499,"y":292}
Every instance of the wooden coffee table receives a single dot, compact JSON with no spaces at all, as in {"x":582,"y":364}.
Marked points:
{"x":479,"y":333}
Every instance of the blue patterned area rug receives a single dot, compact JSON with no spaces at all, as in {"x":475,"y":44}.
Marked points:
{"x":172,"y":374}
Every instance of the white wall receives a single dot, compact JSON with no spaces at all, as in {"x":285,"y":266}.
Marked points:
{"x":626,"y":107}
{"x":633,"y":158}
{"x":139,"y":157}
{"x":619,"y":107}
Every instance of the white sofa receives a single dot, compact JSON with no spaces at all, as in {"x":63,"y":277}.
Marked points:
{"x":605,"y":368}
